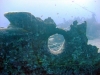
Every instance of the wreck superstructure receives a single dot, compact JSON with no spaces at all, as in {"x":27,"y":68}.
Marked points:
{"x":24,"y":48}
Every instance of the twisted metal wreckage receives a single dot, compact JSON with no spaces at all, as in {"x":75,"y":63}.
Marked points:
{"x":24,"y":48}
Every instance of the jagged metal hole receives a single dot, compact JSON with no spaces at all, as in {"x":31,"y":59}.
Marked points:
{"x":55,"y":43}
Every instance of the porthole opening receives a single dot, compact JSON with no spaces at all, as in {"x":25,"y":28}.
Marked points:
{"x":55,"y":43}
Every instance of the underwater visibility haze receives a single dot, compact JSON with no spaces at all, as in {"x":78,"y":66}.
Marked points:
{"x":49,"y":37}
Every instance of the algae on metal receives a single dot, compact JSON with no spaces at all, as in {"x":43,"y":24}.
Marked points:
{"x":24,"y":48}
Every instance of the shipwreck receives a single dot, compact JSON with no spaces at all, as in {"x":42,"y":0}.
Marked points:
{"x":24,"y":48}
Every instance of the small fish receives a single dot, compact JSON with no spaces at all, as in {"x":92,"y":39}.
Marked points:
{"x":71,"y":16}
{"x":41,"y":15}
{"x":72,"y":1}
{"x":57,"y":13}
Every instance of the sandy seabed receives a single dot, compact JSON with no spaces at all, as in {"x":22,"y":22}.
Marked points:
{"x":95,"y":42}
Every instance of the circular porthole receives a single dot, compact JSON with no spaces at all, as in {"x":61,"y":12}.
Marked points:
{"x":55,"y":43}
